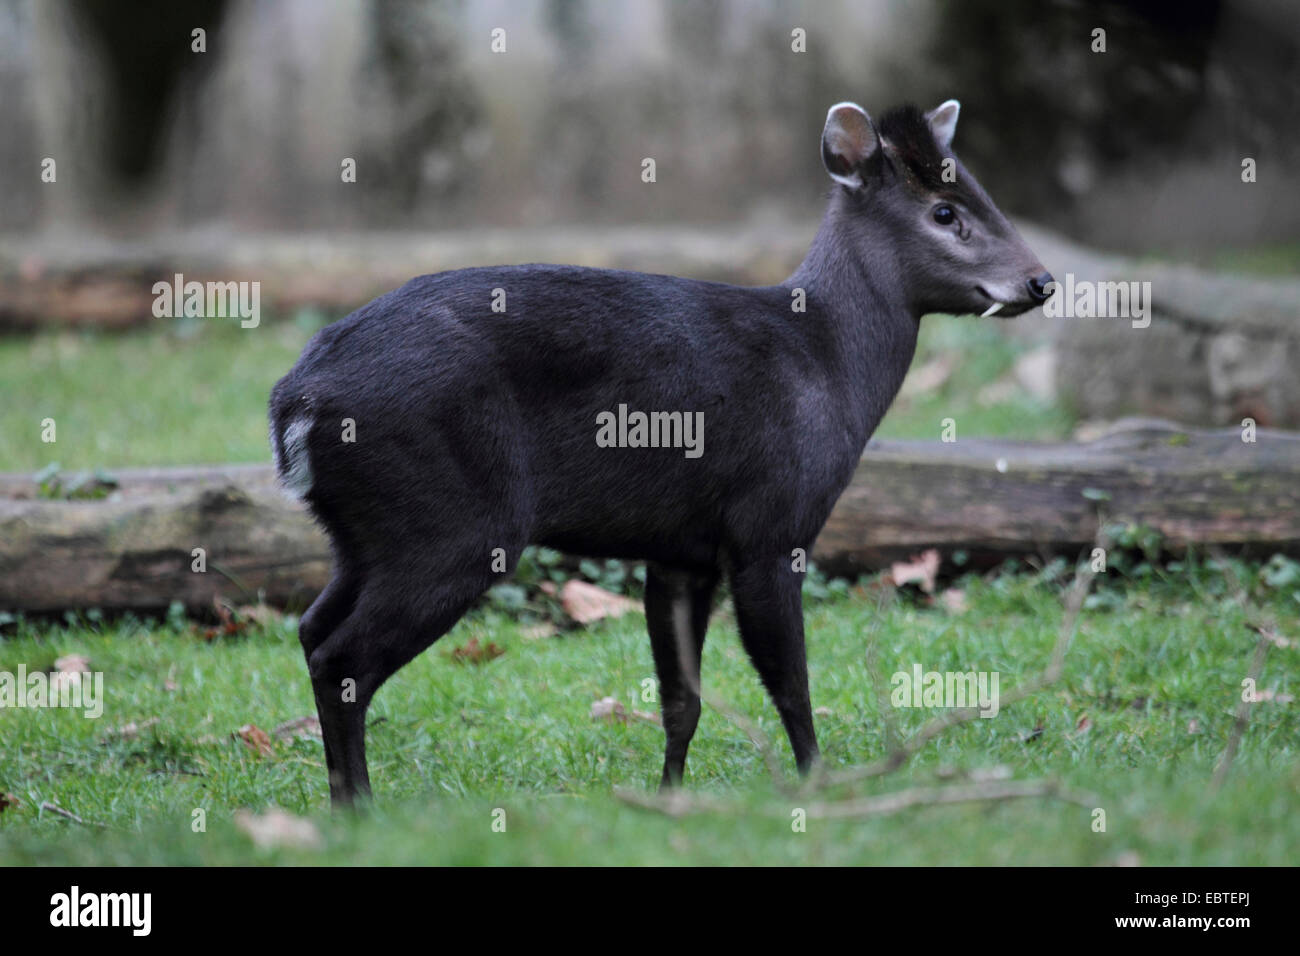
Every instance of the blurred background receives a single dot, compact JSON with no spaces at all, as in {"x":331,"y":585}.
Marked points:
{"x":1126,"y":148}
{"x":208,"y":137}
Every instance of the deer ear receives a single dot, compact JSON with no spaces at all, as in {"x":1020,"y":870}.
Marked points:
{"x":848,"y":141}
{"x":943,"y":121}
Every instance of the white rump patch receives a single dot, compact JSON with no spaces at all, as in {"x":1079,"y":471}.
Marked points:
{"x":294,"y":467}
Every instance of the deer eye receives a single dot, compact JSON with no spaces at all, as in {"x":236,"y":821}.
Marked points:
{"x":944,"y":215}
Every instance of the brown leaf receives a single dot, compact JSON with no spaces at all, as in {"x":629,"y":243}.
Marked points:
{"x":131,"y":730}
{"x":608,"y":708}
{"x":73,"y":664}
{"x":229,"y":623}
{"x":255,"y":738}
{"x":276,"y":828}
{"x":953,"y":600}
{"x":921,"y":570}
{"x":67,"y":672}
{"x":9,"y":801}
{"x":586,"y":603}
{"x":260,"y":614}
{"x":1084,"y":725}
{"x":877,"y":588}
{"x":308,"y":726}
{"x":475,"y":653}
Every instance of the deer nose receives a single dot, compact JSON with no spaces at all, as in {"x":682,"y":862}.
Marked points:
{"x":1038,"y":287}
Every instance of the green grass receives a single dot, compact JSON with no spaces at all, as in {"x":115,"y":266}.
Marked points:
{"x":982,"y":356}
{"x":194,"y":392}
{"x":1140,"y":718}
{"x":1155,"y":669}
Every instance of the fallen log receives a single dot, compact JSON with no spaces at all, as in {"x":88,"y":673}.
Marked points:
{"x":990,"y":498}
{"x":48,"y":283}
{"x":996,"y":499}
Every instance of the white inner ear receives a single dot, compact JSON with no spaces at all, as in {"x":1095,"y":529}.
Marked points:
{"x":848,"y":134}
{"x":943,"y":121}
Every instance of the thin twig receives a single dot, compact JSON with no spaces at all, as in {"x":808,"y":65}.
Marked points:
{"x":55,"y":808}
{"x":1243,"y":713}
{"x":1075,"y":596}
{"x":678,"y":804}
{"x":818,"y":778}
{"x":689,"y":667}
{"x":760,"y":740}
{"x":886,"y":803}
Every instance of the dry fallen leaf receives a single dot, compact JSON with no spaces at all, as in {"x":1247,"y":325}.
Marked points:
{"x":276,"y":828}
{"x":608,"y":708}
{"x":953,"y":600}
{"x":256,"y":739}
{"x":921,"y":570}
{"x":822,"y":712}
{"x":73,"y":664}
{"x":131,"y":730}
{"x":229,"y":623}
{"x":877,"y":588}
{"x":536,"y":631}
{"x":262,"y":614}
{"x":475,"y":653}
{"x":67,"y":672}
{"x":1084,"y":725}
{"x":586,"y":603}
{"x":308,"y":726}
{"x":9,"y":801}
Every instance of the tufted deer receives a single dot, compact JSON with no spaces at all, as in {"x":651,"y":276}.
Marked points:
{"x":493,"y":408}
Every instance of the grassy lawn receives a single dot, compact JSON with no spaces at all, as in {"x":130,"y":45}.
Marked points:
{"x":195,"y":392}
{"x":1142,"y":714}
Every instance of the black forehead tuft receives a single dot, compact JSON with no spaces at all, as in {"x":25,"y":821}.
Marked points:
{"x":912,"y":143}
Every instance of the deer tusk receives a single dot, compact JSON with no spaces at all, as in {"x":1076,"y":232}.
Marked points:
{"x":991,"y":309}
